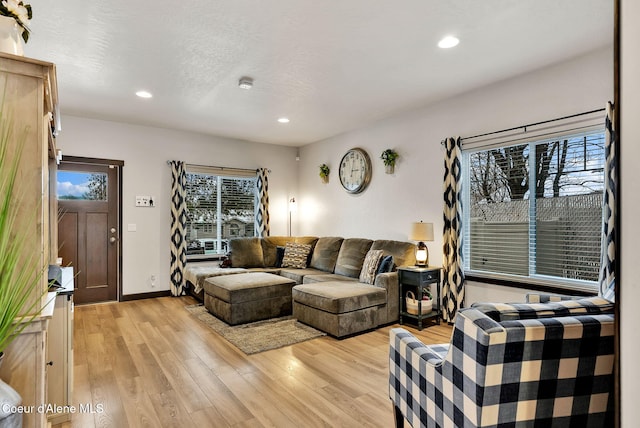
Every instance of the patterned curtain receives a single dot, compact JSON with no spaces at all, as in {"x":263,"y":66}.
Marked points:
{"x":453,"y":275}
{"x":178,"y":221}
{"x":262,"y":202}
{"x":608,"y":259}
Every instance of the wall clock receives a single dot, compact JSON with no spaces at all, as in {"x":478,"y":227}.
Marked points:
{"x":355,"y":170}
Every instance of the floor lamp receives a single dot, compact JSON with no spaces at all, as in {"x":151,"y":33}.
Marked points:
{"x":293,"y":207}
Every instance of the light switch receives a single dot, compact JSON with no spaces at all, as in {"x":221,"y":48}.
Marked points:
{"x":143,"y":201}
{"x":132,"y":227}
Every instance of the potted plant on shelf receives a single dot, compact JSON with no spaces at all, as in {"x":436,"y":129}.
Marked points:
{"x":389,"y":157}
{"x":324,"y":172}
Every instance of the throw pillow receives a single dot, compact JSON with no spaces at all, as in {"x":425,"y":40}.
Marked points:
{"x":279,"y":256}
{"x":295,"y":255}
{"x":370,"y":266}
{"x":386,"y":264}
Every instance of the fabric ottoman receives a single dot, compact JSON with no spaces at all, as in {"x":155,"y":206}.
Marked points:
{"x":248,"y":297}
{"x":340,"y":308}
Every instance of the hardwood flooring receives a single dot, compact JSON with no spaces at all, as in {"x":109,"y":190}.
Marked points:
{"x":149,"y":363}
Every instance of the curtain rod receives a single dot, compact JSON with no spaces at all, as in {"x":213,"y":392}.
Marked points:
{"x":221,"y":167}
{"x":531,"y":124}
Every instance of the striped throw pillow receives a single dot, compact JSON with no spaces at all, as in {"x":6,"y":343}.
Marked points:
{"x":296,"y":255}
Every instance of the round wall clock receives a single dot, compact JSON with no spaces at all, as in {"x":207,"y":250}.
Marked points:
{"x":355,"y":170}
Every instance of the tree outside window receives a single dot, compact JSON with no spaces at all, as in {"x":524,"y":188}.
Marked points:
{"x":557,"y":232}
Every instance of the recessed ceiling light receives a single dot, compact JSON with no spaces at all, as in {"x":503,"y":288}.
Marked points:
{"x":283,"y":120}
{"x":245,"y":82}
{"x":448,"y":42}
{"x":144,"y":94}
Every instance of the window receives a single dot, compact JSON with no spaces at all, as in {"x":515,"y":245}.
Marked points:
{"x":534,"y":210}
{"x":85,"y":186}
{"x":220,"y":206}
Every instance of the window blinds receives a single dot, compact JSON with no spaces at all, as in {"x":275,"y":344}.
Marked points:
{"x":534,"y":202}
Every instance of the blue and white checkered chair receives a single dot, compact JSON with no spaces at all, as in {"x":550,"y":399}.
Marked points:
{"x":509,"y":365}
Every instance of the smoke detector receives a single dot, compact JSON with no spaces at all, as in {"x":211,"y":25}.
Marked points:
{"x":245,"y":82}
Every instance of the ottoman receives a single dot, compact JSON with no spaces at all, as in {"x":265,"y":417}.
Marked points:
{"x":248,"y":297}
{"x":340,"y":308}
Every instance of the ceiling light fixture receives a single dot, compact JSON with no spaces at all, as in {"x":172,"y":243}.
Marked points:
{"x":144,"y":94}
{"x":283,"y":120}
{"x":448,"y":42}
{"x":245,"y":82}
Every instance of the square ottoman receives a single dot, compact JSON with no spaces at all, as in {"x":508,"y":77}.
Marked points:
{"x":340,"y":308}
{"x":248,"y":297}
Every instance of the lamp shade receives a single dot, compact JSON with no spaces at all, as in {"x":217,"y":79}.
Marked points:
{"x":421,"y":232}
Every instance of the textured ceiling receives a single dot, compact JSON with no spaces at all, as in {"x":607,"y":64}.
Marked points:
{"x":330,"y":66}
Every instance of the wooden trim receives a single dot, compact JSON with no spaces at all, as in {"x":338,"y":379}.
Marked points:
{"x":118,"y":164}
{"x":93,"y":161}
{"x":140,"y":296}
{"x":528,"y":286}
{"x":120,"y":223}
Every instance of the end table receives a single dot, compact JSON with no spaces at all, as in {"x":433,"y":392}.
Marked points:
{"x":419,"y":279}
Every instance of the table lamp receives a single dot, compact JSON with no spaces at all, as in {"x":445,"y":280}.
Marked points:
{"x":421,"y":232}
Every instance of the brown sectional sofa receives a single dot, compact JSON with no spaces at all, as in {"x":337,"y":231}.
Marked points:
{"x":328,"y":294}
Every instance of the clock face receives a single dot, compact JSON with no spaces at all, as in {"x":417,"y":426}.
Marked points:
{"x":355,"y":170}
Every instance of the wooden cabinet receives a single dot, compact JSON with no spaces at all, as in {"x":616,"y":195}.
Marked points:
{"x":30,"y":101}
{"x":60,"y":355}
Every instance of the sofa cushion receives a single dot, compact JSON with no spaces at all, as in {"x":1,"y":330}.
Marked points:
{"x":339,"y":297}
{"x":325,"y":253}
{"x":296,"y":255}
{"x":326,"y":277}
{"x":404,"y":253}
{"x":270,"y":246}
{"x":246,"y":252}
{"x":351,"y":256}
{"x":311,"y":240}
{"x":370,"y":266}
{"x":298,"y":274}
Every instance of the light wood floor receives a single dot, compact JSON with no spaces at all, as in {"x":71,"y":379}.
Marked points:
{"x":149,"y":363}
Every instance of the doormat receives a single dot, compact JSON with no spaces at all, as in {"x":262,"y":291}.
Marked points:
{"x":259,"y":336}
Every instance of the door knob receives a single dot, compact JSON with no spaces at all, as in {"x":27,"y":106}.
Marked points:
{"x":112,"y":230}
{"x":112,"y":239}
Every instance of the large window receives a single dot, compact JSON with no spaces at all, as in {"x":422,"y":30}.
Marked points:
{"x":220,"y":206}
{"x":534,"y":209}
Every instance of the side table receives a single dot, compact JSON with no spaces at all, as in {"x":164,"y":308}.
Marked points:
{"x":419,"y":279}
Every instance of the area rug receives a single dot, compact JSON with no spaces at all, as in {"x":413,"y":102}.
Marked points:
{"x":258,"y":336}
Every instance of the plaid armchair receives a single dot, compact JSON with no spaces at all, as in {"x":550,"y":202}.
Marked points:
{"x":509,"y":365}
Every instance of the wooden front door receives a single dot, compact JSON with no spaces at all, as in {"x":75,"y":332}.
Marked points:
{"x":89,"y":227}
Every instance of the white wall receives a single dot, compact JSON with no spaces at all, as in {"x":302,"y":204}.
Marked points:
{"x":630,"y":201}
{"x":145,"y":152}
{"x":391,"y":202}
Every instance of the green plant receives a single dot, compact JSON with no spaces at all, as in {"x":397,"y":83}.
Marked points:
{"x":389,"y":157}
{"x":20,"y":274}
{"x":324,"y":170}
{"x":21,"y":12}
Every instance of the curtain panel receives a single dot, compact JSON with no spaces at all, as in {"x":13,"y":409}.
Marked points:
{"x":453,"y":274}
{"x":262,"y":203}
{"x":608,"y":263}
{"x":178,"y":244}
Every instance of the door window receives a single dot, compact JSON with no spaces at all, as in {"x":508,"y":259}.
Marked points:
{"x":85,"y":186}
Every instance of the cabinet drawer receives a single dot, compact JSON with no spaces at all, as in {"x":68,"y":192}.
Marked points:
{"x":418,"y":278}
